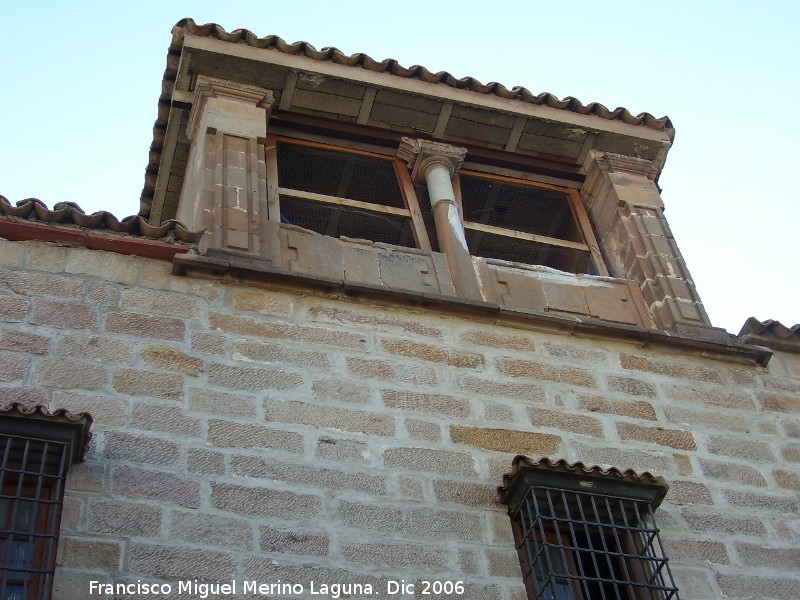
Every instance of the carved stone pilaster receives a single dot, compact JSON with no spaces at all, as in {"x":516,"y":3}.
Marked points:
{"x":224,"y":188}
{"x":625,"y":206}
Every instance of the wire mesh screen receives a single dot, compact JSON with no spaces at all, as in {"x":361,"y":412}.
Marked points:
{"x":585,"y":546}
{"x":518,"y":207}
{"x":339,"y":220}
{"x":424,"y":201}
{"x":490,"y":245}
{"x":340,"y":174}
{"x":31,"y":488}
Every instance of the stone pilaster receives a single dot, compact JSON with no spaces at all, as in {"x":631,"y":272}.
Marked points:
{"x":225,"y":188}
{"x":434,"y":164}
{"x":625,"y":206}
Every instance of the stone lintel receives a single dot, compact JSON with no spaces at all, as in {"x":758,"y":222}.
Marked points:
{"x":420,"y":154}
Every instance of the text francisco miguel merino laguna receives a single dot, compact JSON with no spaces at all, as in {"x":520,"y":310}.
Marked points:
{"x":202,"y":589}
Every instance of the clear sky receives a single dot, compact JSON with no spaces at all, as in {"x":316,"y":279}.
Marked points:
{"x":80,"y":84}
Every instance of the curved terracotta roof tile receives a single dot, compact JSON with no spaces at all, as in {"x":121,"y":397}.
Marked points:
{"x":60,"y":415}
{"x":69,"y":213}
{"x":364,"y":61}
{"x":522,"y":463}
{"x":772,"y":334}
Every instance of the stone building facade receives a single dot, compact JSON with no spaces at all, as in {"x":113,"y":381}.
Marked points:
{"x":297,"y":395}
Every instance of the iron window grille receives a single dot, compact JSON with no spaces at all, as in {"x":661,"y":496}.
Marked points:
{"x":342,"y":192}
{"x":588,"y":534}
{"x":37,"y":448}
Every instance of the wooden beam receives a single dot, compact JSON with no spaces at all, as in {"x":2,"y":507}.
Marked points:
{"x":521,"y":235}
{"x":325,"y":199}
{"x":412,"y":203}
{"x":576,"y":206}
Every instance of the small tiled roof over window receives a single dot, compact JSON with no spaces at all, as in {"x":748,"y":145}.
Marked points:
{"x":772,"y":334}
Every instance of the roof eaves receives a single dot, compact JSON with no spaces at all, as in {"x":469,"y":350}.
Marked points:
{"x":363,"y":61}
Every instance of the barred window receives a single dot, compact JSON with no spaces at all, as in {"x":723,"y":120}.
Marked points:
{"x":585,"y":534}
{"x":36,"y":449}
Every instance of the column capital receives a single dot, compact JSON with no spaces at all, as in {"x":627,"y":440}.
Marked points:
{"x":212,"y":87}
{"x":609,"y":162}
{"x":420,"y":154}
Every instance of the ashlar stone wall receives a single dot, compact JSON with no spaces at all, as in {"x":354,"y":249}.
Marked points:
{"x":250,"y":433}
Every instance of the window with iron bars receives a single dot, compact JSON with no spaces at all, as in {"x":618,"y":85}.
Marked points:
{"x":32,"y":475}
{"x":35,"y":456}
{"x":587,"y":537}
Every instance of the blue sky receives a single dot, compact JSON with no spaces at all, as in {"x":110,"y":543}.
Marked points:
{"x":81,"y":82}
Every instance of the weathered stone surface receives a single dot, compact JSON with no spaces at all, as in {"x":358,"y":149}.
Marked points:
{"x":506,"y":440}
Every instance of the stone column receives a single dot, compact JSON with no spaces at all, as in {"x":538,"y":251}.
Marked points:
{"x":225,"y":189}
{"x":434,"y":164}
{"x":626,"y":209}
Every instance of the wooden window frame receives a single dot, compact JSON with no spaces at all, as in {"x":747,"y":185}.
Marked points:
{"x":275,"y":191}
{"x":579,"y":216}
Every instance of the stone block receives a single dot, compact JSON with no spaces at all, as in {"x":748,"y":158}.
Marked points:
{"x":480,"y":337}
{"x":422,"y":430}
{"x":134,"y":382}
{"x":109,"y":266}
{"x":140,"y":448}
{"x":340,"y":390}
{"x":160,"y":303}
{"x":634,"y":409}
{"x":146,"y":326}
{"x":391,"y":371}
{"x":208,"y":343}
{"x":420,"y":523}
{"x":543,"y":371}
{"x":13,"y":367}
{"x":506,"y":440}
{"x":285,"y":411}
{"x":732,"y":472}
{"x":99,"y":348}
{"x":263,"y":301}
{"x":262,"y":352}
{"x":20,"y":341}
{"x":264,"y":502}
{"x":13,"y":309}
{"x":66,"y":373}
{"x":436,"y":354}
{"x":222,"y":403}
{"x":226,"y":434}
{"x":174,"y":562}
{"x":438,"y":404}
{"x":395,"y":556}
{"x":124,"y":518}
{"x":373,"y":321}
{"x":630,"y":386}
{"x":87,"y":553}
{"x":494,"y":389}
{"x":252,"y":379}
{"x":703,"y":519}
{"x":155,"y":485}
{"x":469,"y":494}
{"x":310,"y":543}
{"x":430,"y":461}
{"x":278,"y":330}
{"x":27,"y":283}
{"x":676,"y":438}
{"x":673,"y":369}
{"x":565,"y":421}
{"x":164,"y":417}
{"x":211,"y":530}
{"x":172,"y":359}
{"x":64,"y":315}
